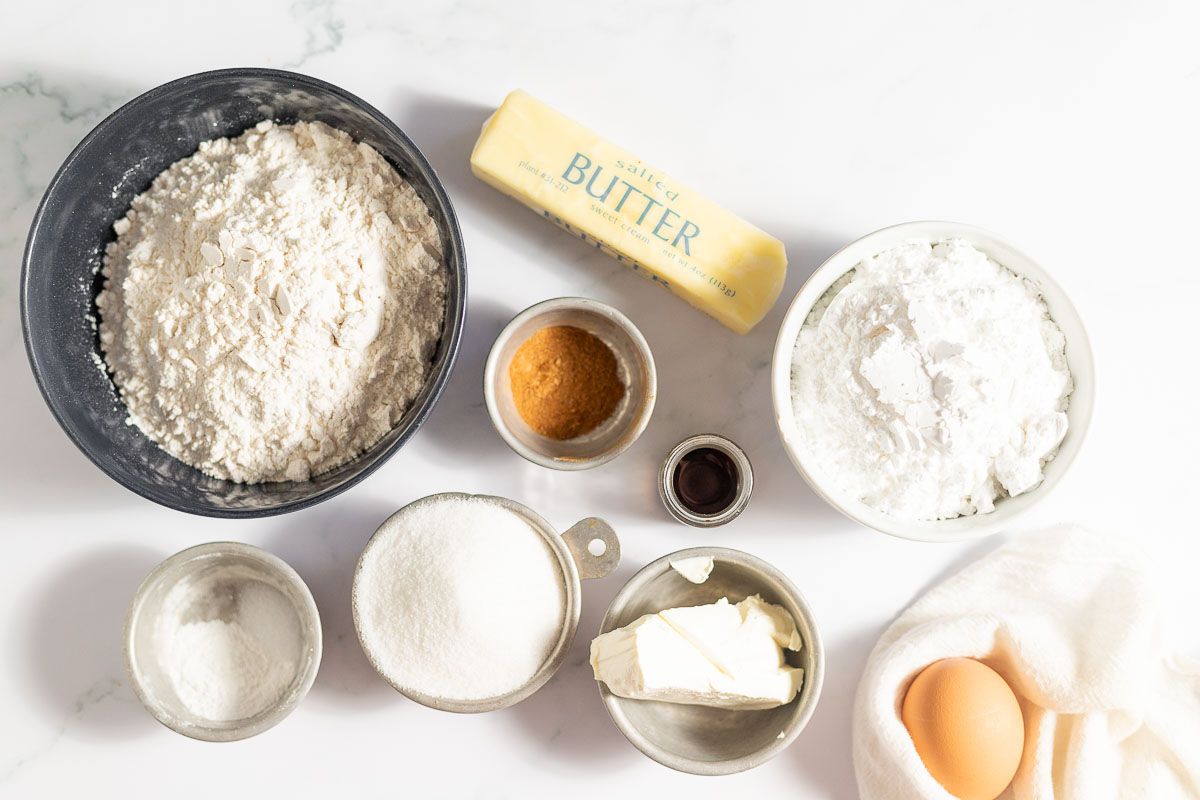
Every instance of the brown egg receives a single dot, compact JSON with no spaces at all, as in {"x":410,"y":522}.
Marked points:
{"x":966,"y":725}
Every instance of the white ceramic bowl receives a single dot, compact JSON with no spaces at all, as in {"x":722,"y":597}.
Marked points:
{"x":1079,"y":358}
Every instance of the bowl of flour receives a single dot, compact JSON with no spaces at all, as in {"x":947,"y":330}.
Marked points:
{"x":243,"y":292}
{"x":932,"y":382}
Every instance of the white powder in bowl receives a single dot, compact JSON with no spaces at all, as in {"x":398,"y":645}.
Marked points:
{"x":229,"y":644}
{"x":931,"y":381}
{"x":459,"y":599}
{"x":272,"y":303}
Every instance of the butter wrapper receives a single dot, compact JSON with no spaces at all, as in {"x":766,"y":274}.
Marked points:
{"x":634,"y":212}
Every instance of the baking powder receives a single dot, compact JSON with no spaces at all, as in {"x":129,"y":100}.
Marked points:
{"x":229,"y":644}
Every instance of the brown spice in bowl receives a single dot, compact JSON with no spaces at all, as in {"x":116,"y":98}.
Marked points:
{"x":565,"y":382}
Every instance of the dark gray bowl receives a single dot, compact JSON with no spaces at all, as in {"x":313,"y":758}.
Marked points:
{"x":94,"y":187}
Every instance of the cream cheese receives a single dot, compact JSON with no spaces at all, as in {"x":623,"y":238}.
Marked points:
{"x":721,"y":655}
{"x":695,"y":569}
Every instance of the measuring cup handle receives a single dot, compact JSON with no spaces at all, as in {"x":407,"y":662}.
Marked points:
{"x":594,"y":546}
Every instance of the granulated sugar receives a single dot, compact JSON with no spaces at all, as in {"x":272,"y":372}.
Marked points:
{"x":931,"y":381}
{"x":229,"y":644}
{"x":459,"y":599}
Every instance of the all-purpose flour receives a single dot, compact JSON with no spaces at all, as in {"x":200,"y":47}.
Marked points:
{"x":930,"y":381}
{"x":272,"y":303}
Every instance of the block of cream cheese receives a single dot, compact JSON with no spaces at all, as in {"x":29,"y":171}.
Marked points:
{"x":695,"y":569}
{"x":613,"y":200}
{"x":722,"y":655}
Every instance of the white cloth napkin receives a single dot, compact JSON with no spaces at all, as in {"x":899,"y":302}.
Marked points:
{"x":1072,"y":620}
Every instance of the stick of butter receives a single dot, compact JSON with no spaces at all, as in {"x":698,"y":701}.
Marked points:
{"x":603,"y":194}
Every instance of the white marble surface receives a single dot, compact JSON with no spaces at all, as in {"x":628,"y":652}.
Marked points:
{"x":1071,"y":127}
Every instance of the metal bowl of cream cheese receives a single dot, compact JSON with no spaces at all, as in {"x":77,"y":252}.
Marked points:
{"x":699,"y":739}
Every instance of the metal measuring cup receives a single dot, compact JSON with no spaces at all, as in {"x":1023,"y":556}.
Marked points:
{"x":588,"y":549}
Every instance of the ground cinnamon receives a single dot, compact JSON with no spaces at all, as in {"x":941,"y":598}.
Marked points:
{"x":565,"y":382}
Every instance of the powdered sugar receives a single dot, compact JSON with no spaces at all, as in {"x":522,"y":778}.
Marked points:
{"x":930,"y":381}
{"x":272,"y":303}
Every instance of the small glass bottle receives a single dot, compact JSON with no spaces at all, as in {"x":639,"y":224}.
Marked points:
{"x":705,"y":480}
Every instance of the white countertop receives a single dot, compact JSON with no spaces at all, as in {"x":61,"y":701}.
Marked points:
{"x":1069,"y":127}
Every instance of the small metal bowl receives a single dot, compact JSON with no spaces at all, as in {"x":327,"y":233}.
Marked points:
{"x":634,"y":360}
{"x":666,"y":481}
{"x":146,"y":673}
{"x":698,"y":739}
{"x":580,"y":559}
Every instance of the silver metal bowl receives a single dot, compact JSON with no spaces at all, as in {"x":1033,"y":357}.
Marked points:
{"x":588,"y":549}
{"x":699,"y":739}
{"x":146,"y":672}
{"x":634,"y":360}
